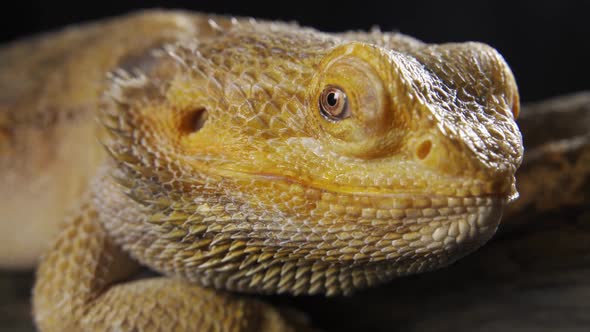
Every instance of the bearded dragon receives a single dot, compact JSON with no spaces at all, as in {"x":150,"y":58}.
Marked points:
{"x":237,"y":157}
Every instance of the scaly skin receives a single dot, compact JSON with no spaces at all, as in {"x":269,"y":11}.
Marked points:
{"x":223,"y":172}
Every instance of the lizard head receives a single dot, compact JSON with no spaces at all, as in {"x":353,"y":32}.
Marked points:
{"x":273,"y":158}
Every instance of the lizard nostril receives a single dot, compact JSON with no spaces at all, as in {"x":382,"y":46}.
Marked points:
{"x":424,"y":149}
{"x":193,"y":120}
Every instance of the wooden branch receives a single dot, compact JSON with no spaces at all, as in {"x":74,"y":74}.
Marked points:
{"x":556,"y":169}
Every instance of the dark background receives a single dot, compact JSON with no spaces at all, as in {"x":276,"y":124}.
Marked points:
{"x":545,"y":42}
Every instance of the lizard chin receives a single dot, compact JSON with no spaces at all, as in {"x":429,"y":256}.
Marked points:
{"x":349,"y":242}
{"x":338,"y":257}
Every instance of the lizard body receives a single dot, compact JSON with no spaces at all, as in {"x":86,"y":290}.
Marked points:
{"x":246,"y":156}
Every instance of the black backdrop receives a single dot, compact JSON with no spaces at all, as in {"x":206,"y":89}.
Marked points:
{"x":546,"y":42}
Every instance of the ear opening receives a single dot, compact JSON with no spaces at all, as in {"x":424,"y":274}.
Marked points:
{"x":193,"y":120}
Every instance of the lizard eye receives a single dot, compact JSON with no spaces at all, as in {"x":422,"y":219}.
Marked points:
{"x":334,"y":104}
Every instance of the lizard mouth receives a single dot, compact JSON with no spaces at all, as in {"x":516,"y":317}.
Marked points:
{"x":503,"y":189}
{"x":414,"y":204}
{"x":447,"y":225}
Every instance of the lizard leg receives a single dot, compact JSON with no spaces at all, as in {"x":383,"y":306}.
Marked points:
{"x":81,"y":287}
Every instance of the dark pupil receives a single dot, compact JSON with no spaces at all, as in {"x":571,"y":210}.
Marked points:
{"x":332,"y":99}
